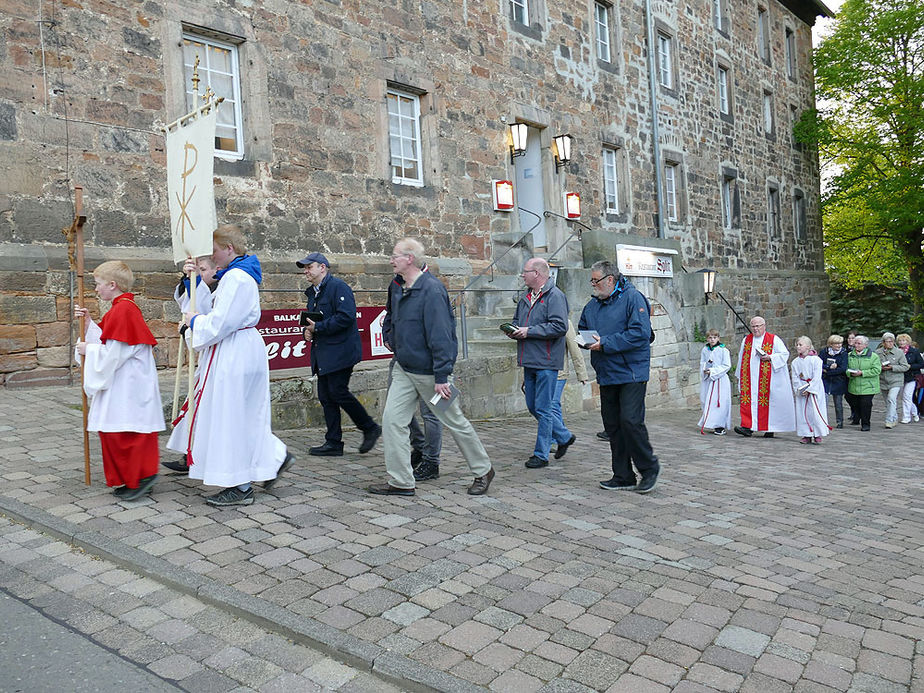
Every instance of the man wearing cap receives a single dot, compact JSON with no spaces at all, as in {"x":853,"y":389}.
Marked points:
{"x":335,"y":349}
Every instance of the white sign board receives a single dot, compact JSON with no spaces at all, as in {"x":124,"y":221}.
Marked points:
{"x":639,"y":261}
{"x":190,"y":188}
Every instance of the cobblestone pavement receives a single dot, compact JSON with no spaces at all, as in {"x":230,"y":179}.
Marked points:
{"x":187,"y":644}
{"x":755,"y":565}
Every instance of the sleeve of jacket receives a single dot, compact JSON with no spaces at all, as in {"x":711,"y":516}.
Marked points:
{"x":386,"y":323}
{"x":344,"y":316}
{"x":901,"y":365}
{"x":574,"y":351}
{"x":557,"y":323}
{"x":637,"y":334}
{"x":440,"y":333}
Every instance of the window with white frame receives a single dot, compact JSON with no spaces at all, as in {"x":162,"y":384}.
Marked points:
{"x":671,"y":196}
{"x":763,"y":34}
{"x":798,"y":214}
{"x":665,"y":60}
{"x":773,"y":209}
{"x":722,"y":89}
{"x":404,"y":137}
{"x":611,"y":181}
{"x":790,"y":48}
{"x":602,"y":27}
{"x":728,"y":189}
{"x":219,"y":68}
{"x":768,"y":113}
{"x":720,"y":15}
{"x":519,"y":11}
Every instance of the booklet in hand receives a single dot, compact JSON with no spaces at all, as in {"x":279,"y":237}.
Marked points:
{"x":586,"y":338}
{"x":441,"y":404}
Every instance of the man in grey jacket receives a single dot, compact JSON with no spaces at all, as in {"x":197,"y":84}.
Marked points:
{"x":541,"y":323}
{"x":423,"y":338}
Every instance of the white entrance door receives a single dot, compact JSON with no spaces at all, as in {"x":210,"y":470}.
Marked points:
{"x":530,"y":194}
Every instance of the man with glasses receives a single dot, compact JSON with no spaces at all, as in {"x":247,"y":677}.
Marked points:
{"x":541,"y":322}
{"x":423,"y":338}
{"x":766,"y":400}
{"x":620,"y":354}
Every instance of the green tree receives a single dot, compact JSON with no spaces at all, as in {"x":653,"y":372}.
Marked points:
{"x":858,"y":250}
{"x":870,"y":125}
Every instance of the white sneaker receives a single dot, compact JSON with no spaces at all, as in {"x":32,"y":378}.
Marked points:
{"x":905,"y":421}
{"x":915,"y":418}
{"x":890,"y":424}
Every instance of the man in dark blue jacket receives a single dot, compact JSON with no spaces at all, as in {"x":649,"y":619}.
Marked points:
{"x":423,"y":338}
{"x":541,"y":322}
{"x":335,"y":349}
{"x":621,"y":356}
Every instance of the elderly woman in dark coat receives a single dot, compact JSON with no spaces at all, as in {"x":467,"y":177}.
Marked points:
{"x":909,"y":410}
{"x":834,"y":374}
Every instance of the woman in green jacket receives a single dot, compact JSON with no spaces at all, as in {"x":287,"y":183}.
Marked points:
{"x":863,"y":369}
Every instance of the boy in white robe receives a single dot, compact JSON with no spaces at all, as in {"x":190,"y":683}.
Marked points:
{"x":807,"y":383}
{"x":120,"y":378}
{"x":715,"y":390}
{"x":207,"y":270}
{"x":231,"y":444}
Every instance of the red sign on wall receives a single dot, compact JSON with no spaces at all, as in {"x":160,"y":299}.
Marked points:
{"x":286,"y":348}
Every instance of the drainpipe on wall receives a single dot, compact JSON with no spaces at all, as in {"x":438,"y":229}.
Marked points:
{"x":653,"y":89}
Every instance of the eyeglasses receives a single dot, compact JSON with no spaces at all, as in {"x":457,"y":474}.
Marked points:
{"x":597,"y":281}
{"x":530,"y":270}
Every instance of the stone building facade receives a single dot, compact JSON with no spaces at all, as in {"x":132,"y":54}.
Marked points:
{"x":349,"y":125}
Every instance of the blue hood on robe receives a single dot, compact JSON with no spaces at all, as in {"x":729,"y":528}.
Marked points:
{"x":249,"y":263}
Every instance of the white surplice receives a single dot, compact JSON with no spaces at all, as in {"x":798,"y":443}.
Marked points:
{"x":715,"y":390}
{"x":203,"y":298}
{"x":811,"y":407}
{"x":121,"y":381}
{"x":782,"y":409}
{"x":233,"y":443}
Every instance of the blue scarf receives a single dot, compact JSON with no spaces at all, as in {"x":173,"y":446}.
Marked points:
{"x":249,"y":263}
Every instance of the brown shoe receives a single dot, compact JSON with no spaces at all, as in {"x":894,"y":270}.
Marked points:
{"x":480,"y":486}
{"x":389,"y":490}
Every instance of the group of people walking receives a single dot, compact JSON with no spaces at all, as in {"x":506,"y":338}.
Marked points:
{"x":774,"y":401}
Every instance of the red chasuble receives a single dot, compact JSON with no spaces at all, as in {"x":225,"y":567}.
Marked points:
{"x":765,"y":371}
{"x":123,"y":322}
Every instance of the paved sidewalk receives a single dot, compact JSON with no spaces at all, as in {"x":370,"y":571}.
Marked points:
{"x":755,"y":565}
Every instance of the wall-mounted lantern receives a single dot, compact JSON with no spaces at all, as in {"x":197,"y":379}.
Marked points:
{"x":518,"y":132}
{"x":708,"y":281}
{"x":562,"y":150}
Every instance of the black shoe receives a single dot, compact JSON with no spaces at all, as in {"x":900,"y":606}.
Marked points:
{"x":647,"y":484}
{"x":718,"y":431}
{"x":746,"y":432}
{"x":563,"y":448}
{"x":180,"y":466}
{"x":615,"y":485}
{"x":389,"y":490}
{"x":840,"y":424}
{"x":426,"y":471}
{"x":416,"y":458}
{"x":536,"y":462}
{"x":854,"y":422}
{"x":603,"y":435}
{"x":231,"y":496}
{"x":369,"y":438}
{"x":286,"y":463}
{"x":481,"y":484}
{"x":144,"y":488}
{"x":120,"y":491}
{"x":326,"y":450}
{"x":864,"y":427}
{"x":768,"y":435}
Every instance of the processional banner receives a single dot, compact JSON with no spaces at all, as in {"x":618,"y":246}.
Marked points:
{"x":190,"y":187}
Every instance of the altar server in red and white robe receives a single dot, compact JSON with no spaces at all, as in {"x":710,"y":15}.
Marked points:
{"x":231,"y":444}
{"x":120,"y":378}
{"x":807,"y":383}
{"x":766,"y":399}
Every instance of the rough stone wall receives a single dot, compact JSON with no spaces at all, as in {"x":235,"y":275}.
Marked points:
{"x":80,"y":89}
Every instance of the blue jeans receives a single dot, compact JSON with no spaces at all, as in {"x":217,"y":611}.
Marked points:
{"x":428,"y":440}
{"x":542,"y":393}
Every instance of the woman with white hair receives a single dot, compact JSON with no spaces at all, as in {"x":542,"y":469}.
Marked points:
{"x":863,"y":369}
{"x":891,"y":379}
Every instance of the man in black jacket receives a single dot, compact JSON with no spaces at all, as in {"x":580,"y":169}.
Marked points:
{"x":335,"y":349}
{"x":423,"y":338}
